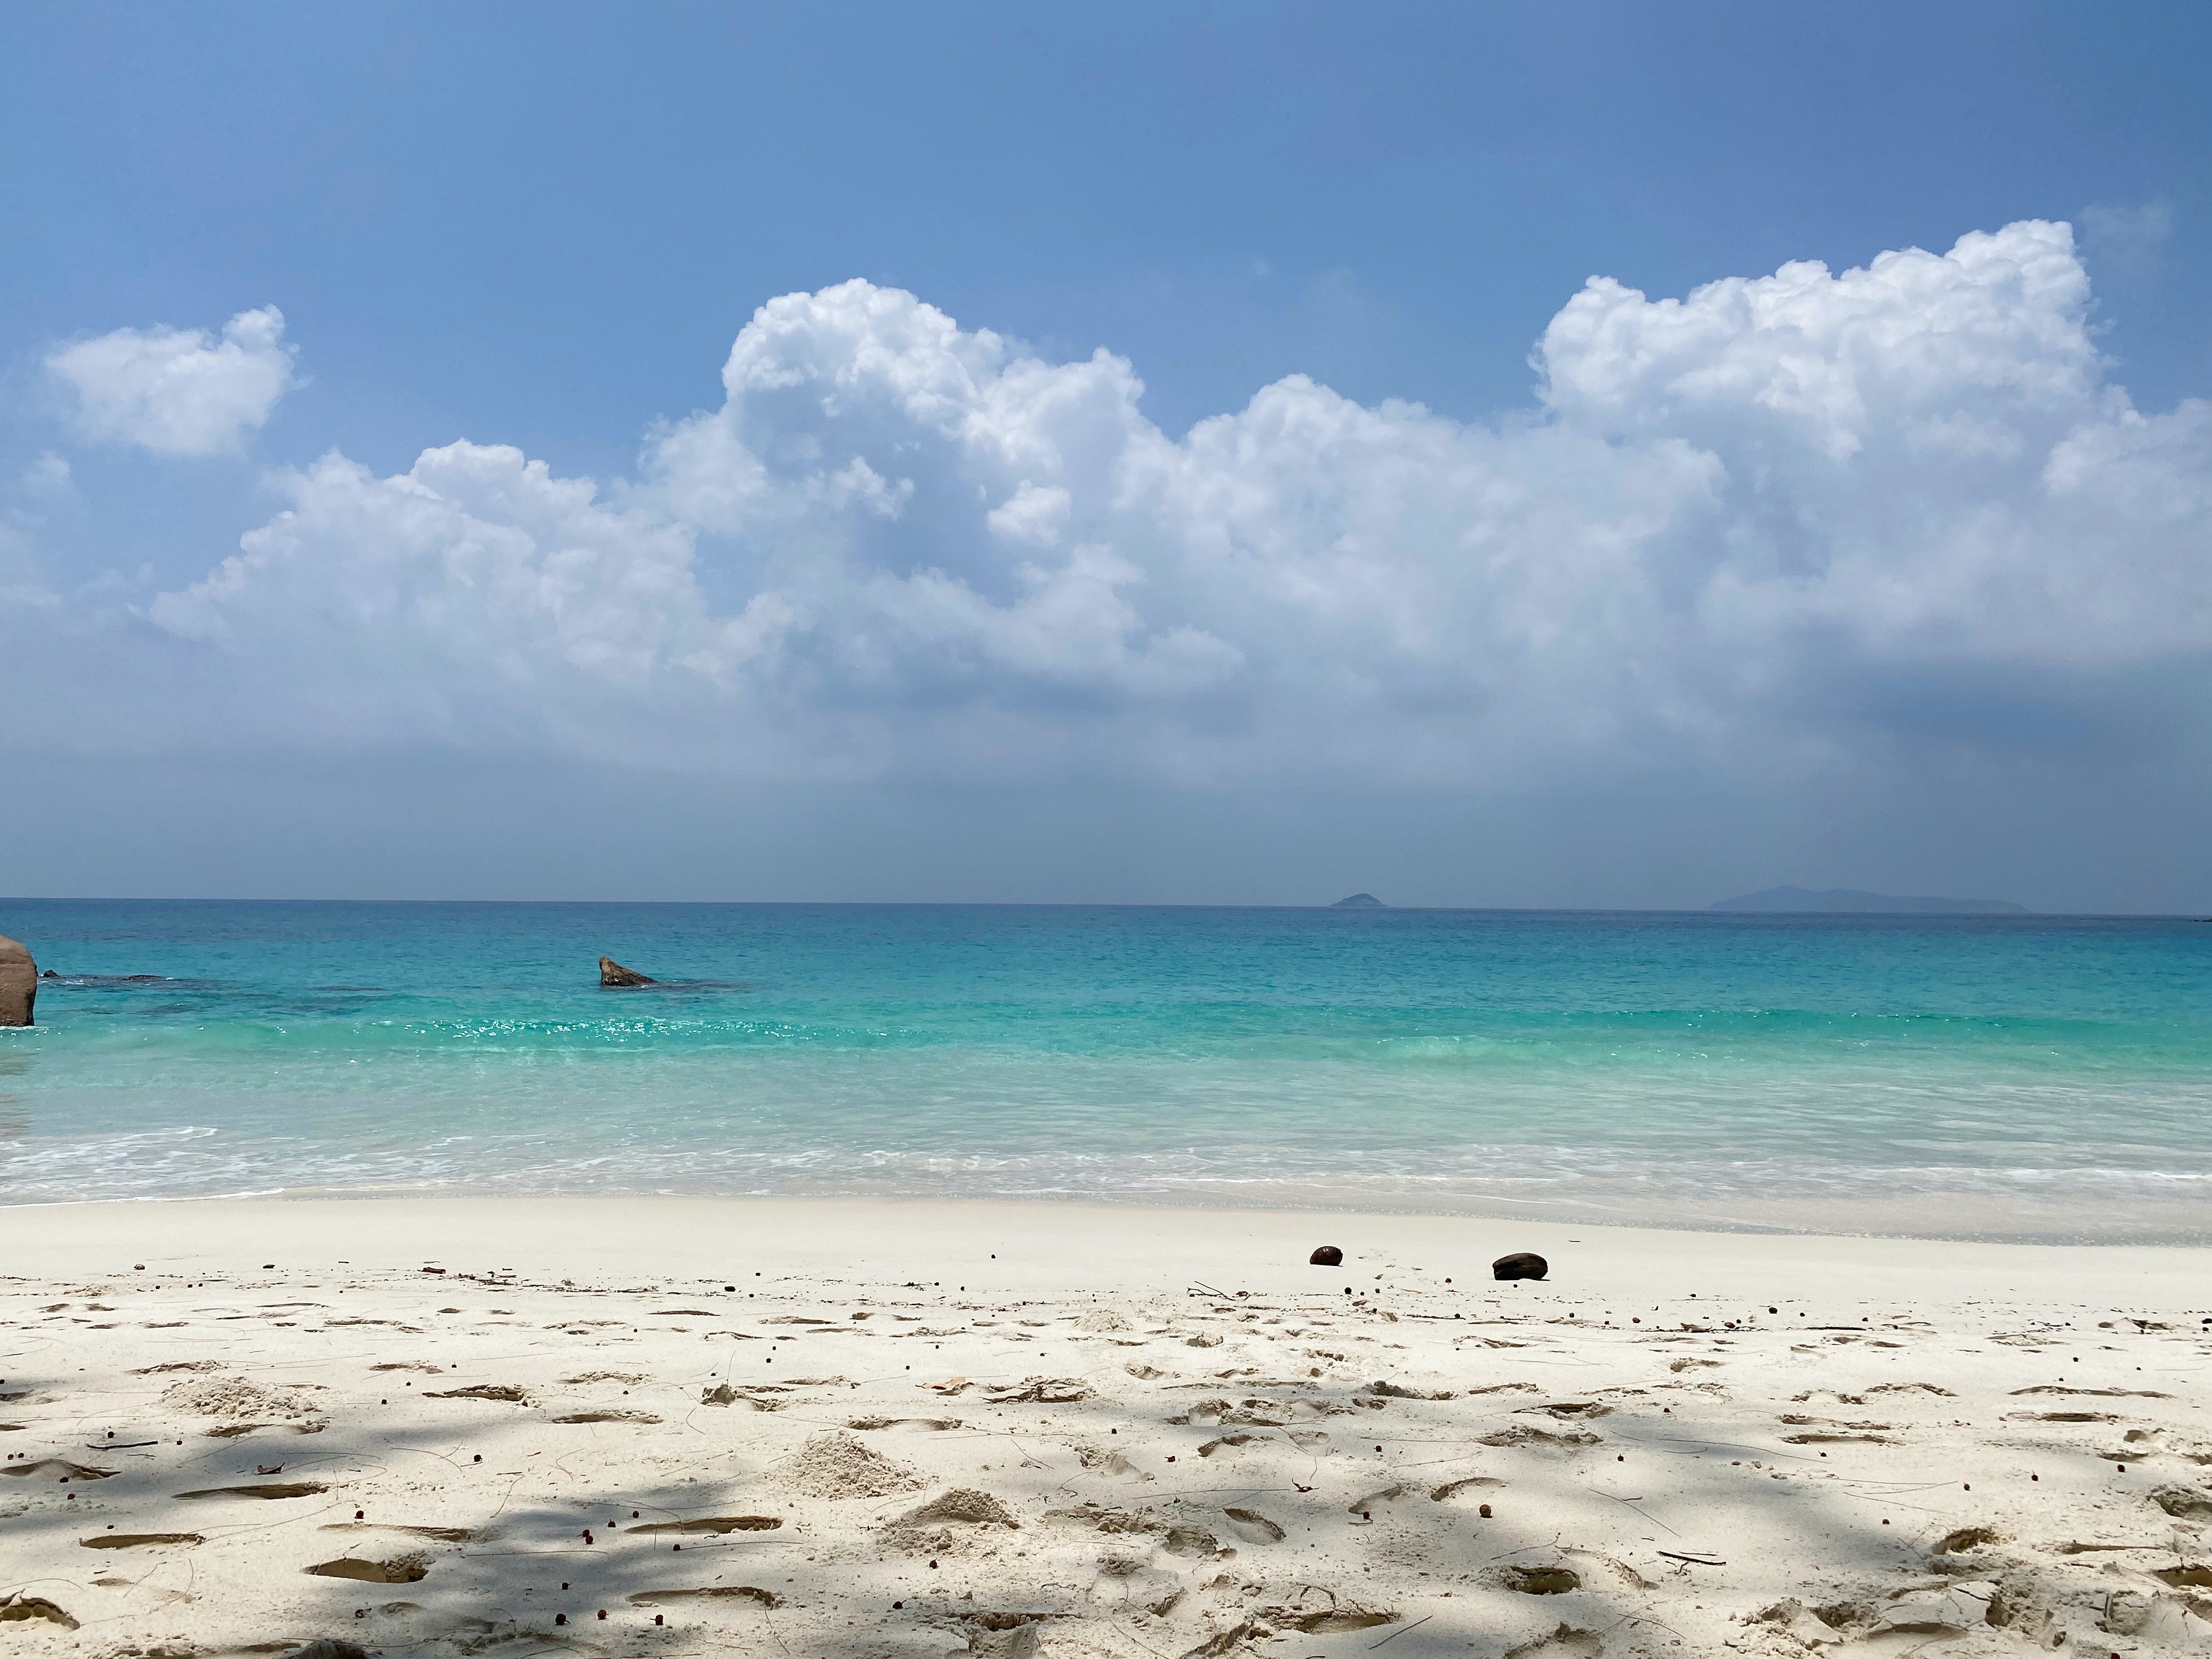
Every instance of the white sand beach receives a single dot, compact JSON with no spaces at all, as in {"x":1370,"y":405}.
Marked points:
{"x":676,"y":1426}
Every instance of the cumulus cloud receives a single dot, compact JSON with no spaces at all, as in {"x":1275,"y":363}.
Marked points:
{"x":1769,"y":522}
{"x":180,"y":391}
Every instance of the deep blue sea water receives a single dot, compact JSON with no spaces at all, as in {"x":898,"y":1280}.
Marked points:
{"x":1987,"y":1076}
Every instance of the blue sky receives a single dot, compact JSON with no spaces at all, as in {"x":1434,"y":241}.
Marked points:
{"x":543,"y":227}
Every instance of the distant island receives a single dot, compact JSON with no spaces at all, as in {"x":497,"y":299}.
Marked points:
{"x":1801,"y":900}
{"x":1359,"y":902}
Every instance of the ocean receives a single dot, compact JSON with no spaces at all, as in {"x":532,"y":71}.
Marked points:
{"x":2046,"y":1077}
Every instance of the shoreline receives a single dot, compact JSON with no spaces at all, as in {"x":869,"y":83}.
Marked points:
{"x":1819,"y":1219}
{"x":1085,"y":1244}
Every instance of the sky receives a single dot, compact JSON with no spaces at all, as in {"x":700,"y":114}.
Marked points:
{"x":1581,"y":455}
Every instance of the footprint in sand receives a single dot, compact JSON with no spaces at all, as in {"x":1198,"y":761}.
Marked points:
{"x":28,"y":1608}
{"x":403,"y":1569}
{"x":1566,"y":1642}
{"x":1472,"y":1485}
{"x":608,"y":1417}
{"x":1104,"y":1459}
{"x":1964,"y":1538}
{"x":1253,"y":1527}
{"x":723,"y":1395}
{"x":1104,"y":1520}
{"x":1367,"y":1504}
{"x":1539,"y":1439}
{"x":139,"y":1540}
{"x":2060,"y":1417}
{"x":1229,"y":1444}
{"x":1540,"y":1581}
{"x":60,"y":1470}
{"x":721,"y":1592}
{"x":506,"y":1393}
{"x":443,"y":1534}
{"x":2184,"y":1503}
{"x":1333,"y":1620}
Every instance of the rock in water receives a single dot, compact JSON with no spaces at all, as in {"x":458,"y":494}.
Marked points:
{"x":1521,"y":1264}
{"x":19,"y":982}
{"x":1327,"y":1256}
{"x":613,"y":973}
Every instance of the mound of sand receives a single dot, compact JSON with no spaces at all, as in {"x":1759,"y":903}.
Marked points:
{"x":233,"y":1396}
{"x":835,"y":1465}
{"x":963,"y":1504}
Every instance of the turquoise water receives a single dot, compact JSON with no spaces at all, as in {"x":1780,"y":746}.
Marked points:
{"x":2002,"y":1077}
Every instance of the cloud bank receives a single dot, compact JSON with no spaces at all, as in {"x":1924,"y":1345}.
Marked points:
{"x":180,"y":391}
{"x":1775,"y":524}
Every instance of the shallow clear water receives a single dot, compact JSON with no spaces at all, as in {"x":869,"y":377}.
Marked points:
{"x":2023,"y":1076}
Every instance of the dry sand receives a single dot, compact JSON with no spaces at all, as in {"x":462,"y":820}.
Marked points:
{"x":665,"y":1427}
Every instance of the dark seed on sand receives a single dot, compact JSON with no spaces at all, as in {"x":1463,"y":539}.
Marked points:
{"x":1326,"y":1256}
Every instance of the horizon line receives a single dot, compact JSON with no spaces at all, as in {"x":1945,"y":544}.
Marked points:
{"x":1145,"y":904}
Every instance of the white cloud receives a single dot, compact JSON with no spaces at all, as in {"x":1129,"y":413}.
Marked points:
{"x":1775,"y":520}
{"x":180,"y":391}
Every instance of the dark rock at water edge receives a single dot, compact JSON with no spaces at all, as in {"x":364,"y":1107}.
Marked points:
{"x":1359,"y":902}
{"x":613,"y":973}
{"x":19,"y":982}
{"x":1521,"y":1264}
{"x":1326,"y":1256}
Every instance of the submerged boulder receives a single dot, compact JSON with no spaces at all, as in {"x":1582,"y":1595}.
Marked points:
{"x":19,"y":982}
{"x":613,"y":973}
